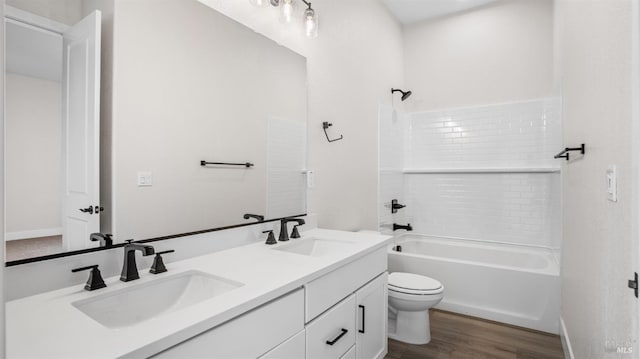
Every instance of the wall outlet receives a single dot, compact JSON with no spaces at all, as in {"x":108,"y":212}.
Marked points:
{"x":612,"y":184}
{"x":145,"y":179}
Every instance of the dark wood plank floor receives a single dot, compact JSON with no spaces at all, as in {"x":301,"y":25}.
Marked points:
{"x":462,"y":337}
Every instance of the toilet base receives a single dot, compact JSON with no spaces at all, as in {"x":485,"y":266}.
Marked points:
{"x":410,"y":327}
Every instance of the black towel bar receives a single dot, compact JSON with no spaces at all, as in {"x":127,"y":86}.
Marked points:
{"x":246,"y":164}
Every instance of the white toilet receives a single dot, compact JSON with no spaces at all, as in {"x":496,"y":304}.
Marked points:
{"x":410,"y":297}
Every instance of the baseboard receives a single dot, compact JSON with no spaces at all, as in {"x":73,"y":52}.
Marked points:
{"x":566,"y":343}
{"x":36,"y":233}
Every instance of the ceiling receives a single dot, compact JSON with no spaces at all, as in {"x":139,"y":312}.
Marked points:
{"x":411,"y":11}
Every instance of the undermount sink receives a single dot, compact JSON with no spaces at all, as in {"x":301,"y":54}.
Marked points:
{"x":314,"y":246}
{"x":144,"y":301}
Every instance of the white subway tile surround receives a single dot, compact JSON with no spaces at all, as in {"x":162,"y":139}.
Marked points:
{"x":508,"y":207}
{"x":523,"y":134}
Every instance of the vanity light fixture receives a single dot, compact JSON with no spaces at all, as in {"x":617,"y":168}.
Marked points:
{"x":310,"y":21}
{"x":288,"y":10}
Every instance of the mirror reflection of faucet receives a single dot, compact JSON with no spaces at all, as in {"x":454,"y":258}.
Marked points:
{"x":105,"y":240}
{"x":258,"y":217}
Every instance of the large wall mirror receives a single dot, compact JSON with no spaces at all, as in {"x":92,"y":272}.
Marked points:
{"x":110,"y":111}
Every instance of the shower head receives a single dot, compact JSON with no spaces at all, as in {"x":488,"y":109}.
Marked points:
{"x":405,"y":95}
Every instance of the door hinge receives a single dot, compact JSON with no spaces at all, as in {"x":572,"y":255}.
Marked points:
{"x":633,"y":284}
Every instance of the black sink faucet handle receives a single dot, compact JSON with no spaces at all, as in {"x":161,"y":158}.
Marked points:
{"x":271,"y":238}
{"x":294,"y":232}
{"x":158,"y":263}
{"x":95,"y":280}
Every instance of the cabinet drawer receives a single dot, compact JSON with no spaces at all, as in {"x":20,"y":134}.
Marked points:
{"x":332,"y":334}
{"x":247,"y":336}
{"x":351,"y":354}
{"x":327,"y":290}
{"x":293,"y":348}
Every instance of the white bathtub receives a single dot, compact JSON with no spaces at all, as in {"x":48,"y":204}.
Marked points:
{"x":512,"y":284}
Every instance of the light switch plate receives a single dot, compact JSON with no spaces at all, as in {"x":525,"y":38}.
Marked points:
{"x":612,"y":184}
{"x":145,"y":179}
{"x":311,"y":179}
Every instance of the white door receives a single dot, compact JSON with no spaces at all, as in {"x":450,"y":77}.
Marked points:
{"x":81,"y":132}
{"x":371,"y":324}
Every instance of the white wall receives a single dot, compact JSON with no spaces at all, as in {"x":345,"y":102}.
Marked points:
{"x":598,"y":309}
{"x":351,"y":68}
{"x":191,"y":84}
{"x":498,"y":53}
{"x":2,"y":185}
{"x":33,"y":154}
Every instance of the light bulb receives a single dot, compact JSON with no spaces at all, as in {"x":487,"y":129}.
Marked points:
{"x":310,"y":23}
{"x":287,"y":10}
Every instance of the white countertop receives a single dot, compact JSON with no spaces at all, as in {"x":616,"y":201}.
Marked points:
{"x":48,"y":326}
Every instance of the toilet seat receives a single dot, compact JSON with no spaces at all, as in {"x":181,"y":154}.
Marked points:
{"x":413,"y":284}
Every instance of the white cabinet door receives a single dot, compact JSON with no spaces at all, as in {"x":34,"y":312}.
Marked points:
{"x":371,"y":324}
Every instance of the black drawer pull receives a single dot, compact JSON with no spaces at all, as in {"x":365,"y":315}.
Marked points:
{"x":332,"y":342}
{"x":362,"y":330}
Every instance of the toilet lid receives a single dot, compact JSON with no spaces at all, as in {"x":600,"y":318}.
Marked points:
{"x":413,"y":283}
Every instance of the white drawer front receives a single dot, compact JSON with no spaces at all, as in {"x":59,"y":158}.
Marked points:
{"x":327,"y":290}
{"x":337,"y":326}
{"x":351,"y":354}
{"x":293,"y":348}
{"x":247,"y":336}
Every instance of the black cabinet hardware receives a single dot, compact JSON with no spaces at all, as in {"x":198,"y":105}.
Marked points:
{"x":246,"y":164}
{"x":326,"y":125}
{"x":95,"y":280}
{"x":633,"y":284}
{"x":363,"y":312}
{"x":565,"y":153}
{"x":87,"y":210}
{"x":335,"y":340}
{"x":395,"y":206}
{"x":158,"y":264}
{"x":271,"y":239}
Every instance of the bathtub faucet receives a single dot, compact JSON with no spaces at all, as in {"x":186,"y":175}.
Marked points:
{"x":398,"y":226}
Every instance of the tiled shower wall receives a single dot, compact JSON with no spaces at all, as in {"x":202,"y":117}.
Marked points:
{"x":522,"y":208}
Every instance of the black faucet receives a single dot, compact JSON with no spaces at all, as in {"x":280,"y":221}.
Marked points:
{"x":284,"y":236}
{"x":129,"y":267}
{"x":398,"y":226}
{"x":258,"y":217}
{"x":104,"y":239}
